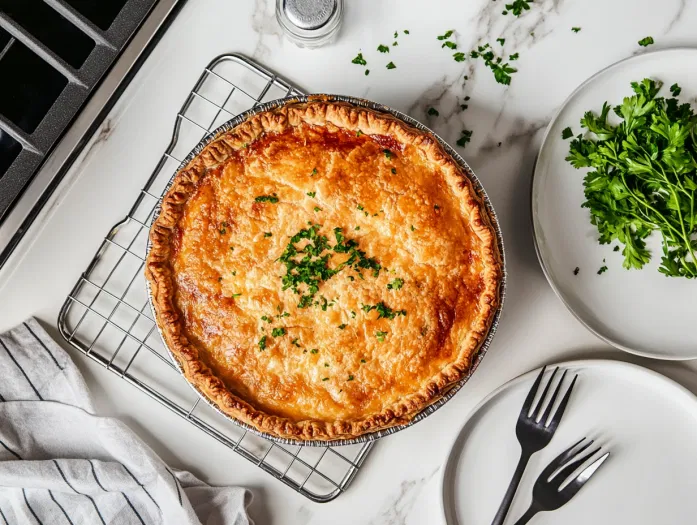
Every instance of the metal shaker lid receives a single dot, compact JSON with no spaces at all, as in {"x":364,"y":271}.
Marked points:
{"x":309,"y":14}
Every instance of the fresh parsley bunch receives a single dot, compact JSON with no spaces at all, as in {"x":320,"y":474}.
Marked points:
{"x":643,"y":178}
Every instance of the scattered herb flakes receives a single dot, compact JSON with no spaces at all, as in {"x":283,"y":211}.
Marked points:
{"x":384,"y":311}
{"x":222,"y":231}
{"x":643,"y":177}
{"x":447,"y":35}
{"x":294,"y":342}
{"x":317,"y":208}
{"x":514,"y":57}
{"x":234,"y":272}
{"x":499,"y":145}
{"x":342,"y":326}
{"x":396,"y":34}
{"x":395,"y":43}
{"x":576,"y":29}
{"x":602,"y":270}
{"x":394,"y":171}
{"x":326,"y":365}
{"x":383,"y":49}
{"x":433,"y":112}
{"x":424,"y":330}
{"x":616,"y":249}
{"x":220,"y":279}
{"x":262,"y":343}
{"x":357,"y":228}
{"x":502,"y":71}
{"x":646,"y":41}
{"x":576,"y":270}
{"x":391,"y":66}
{"x":463,"y":107}
{"x":459,"y":57}
{"x":567,"y":133}
{"x":367,"y":72}
{"x":406,"y":31}
{"x":449,"y":44}
{"x":388,"y":154}
{"x":466,"y":137}
{"x":312,"y":194}
{"x":314,"y":172}
{"x":266,"y":318}
{"x":501,"y":41}
{"x":436,"y":207}
{"x":267,"y":234}
{"x":308,"y":266}
{"x":675,"y":89}
{"x":314,"y":351}
{"x":517,"y":7}
{"x":359,"y":133}
{"x":396,"y":284}
{"x":236,"y":295}
{"x":232,"y":248}
{"x":467,"y":98}
{"x":273,"y":198}
{"x":350,"y":378}
{"x":362,"y":360}
{"x":325,"y":379}
{"x":412,"y":228}
{"x":278,"y":332}
{"x":380,"y":336}
{"x":359,"y":60}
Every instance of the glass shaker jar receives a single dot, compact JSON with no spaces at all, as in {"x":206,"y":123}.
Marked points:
{"x":310,"y":23}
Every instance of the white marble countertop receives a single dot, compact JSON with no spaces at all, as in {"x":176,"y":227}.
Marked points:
{"x":399,"y":481}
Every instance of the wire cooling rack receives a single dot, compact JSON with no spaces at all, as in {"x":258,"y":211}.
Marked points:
{"x":107,"y":316}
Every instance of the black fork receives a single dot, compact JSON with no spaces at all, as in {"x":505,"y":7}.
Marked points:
{"x":533,"y":432}
{"x":548,"y":493}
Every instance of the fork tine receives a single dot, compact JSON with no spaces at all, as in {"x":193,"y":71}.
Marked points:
{"x":575,"y":485}
{"x":531,"y":395}
{"x":550,"y":405}
{"x":556,"y":418}
{"x":569,"y":469}
{"x":541,"y":402}
{"x":562,"y":458}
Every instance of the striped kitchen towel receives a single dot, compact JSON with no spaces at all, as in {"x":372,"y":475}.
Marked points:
{"x":62,"y":464}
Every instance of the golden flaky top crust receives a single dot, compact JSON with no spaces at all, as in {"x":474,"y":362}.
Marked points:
{"x":405,"y":265}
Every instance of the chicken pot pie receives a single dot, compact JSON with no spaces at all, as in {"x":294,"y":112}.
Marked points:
{"x":323,"y":270}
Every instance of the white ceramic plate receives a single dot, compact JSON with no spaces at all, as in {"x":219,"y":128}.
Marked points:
{"x":646,"y":421}
{"x":639,"y":311}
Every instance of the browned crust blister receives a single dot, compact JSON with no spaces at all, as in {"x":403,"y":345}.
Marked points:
{"x":332,"y":115}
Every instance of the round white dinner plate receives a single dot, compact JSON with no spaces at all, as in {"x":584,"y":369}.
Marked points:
{"x":647,"y":422}
{"x":639,"y":311}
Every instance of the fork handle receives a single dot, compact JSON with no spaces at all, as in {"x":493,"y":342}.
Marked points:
{"x":508,"y":498}
{"x":527,"y":516}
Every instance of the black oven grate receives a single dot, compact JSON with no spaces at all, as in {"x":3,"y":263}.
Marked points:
{"x":53,"y":53}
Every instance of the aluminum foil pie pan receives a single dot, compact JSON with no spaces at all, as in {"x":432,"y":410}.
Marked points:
{"x":476,"y":184}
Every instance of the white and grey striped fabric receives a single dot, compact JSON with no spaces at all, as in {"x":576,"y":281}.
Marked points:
{"x":62,"y":464}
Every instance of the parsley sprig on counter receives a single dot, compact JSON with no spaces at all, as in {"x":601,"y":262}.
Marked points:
{"x":502,"y":71}
{"x":643,"y":177}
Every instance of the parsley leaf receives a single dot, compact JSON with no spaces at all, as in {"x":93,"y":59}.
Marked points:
{"x":675,"y":89}
{"x":576,"y":29}
{"x":567,"y":133}
{"x":311,"y":194}
{"x":383,"y":49}
{"x":262,"y":343}
{"x":459,"y":57}
{"x":514,"y":56}
{"x":278,"y":332}
{"x":642,"y":177}
{"x":433,"y":112}
{"x":391,"y":66}
{"x":359,"y":60}
{"x":367,"y":72}
{"x":465,"y":138}
{"x":447,"y":35}
{"x":501,"y":41}
{"x":384,"y":311}
{"x":646,"y":41}
{"x":267,"y":234}
{"x":380,"y":336}
{"x":576,"y":270}
{"x":396,"y":284}
{"x":267,"y":198}
{"x":518,"y":6}
{"x":406,"y":31}
{"x":602,"y":270}
{"x":449,"y":44}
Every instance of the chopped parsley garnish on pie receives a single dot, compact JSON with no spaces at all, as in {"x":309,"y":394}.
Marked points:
{"x":517,"y":7}
{"x":384,"y":311}
{"x":311,"y":194}
{"x":273,"y":198}
{"x":394,"y":171}
{"x":567,"y":133}
{"x":342,"y":326}
{"x":362,"y":360}
{"x":388,"y":153}
{"x":278,"y":332}
{"x":436,"y":207}
{"x":325,"y":379}
{"x":314,"y":351}
{"x":317,"y":208}
{"x":391,"y":66}
{"x":412,"y":228}
{"x":396,"y":284}
{"x":359,"y":60}
{"x":309,"y":266}
{"x":465,"y":138}
{"x":262,"y":343}
{"x":447,"y":35}
{"x":646,"y":41}
{"x":267,"y":234}
{"x":294,"y":342}
{"x":383,"y":49}
{"x":266,"y":318}
{"x":380,"y":336}
{"x":350,"y":378}
{"x":575,"y":29}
